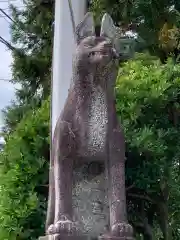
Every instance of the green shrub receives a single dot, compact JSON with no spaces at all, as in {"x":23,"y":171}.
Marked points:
{"x":24,"y":173}
{"x":148,"y":96}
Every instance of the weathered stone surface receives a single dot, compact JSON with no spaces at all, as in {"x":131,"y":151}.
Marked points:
{"x":64,"y":237}
{"x":88,"y":130}
{"x":114,"y":238}
{"x":90,"y":201}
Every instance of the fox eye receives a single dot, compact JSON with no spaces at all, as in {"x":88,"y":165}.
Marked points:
{"x":89,"y":45}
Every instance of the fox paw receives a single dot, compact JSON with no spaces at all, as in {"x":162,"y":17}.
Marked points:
{"x":63,"y":226}
{"x":122,"y":230}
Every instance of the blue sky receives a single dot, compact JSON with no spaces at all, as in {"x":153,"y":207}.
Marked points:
{"x":7,"y":89}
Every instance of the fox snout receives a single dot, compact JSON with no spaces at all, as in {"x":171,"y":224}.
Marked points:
{"x":107,"y":45}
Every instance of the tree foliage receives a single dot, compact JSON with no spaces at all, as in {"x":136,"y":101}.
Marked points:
{"x":144,"y":17}
{"x":24,"y":177}
{"x":32,"y":33}
{"x":33,"y":30}
{"x":148,"y":105}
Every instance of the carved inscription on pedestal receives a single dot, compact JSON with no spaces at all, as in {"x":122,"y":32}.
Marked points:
{"x":90,"y":202}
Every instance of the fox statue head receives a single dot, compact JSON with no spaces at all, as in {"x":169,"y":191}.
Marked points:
{"x":95,"y":51}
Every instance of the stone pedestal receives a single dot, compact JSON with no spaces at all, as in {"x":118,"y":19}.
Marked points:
{"x":114,"y":238}
{"x":64,"y":237}
{"x":90,"y":206}
{"x":90,"y":201}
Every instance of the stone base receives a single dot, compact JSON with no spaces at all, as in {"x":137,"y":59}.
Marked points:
{"x":107,"y":237}
{"x":64,"y":237}
{"x":114,"y":238}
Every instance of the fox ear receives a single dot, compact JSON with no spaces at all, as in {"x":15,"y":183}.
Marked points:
{"x":86,"y":27}
{"x":108,"y":28}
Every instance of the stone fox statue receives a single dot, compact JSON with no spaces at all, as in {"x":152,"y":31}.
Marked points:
{"x":88,"y":130}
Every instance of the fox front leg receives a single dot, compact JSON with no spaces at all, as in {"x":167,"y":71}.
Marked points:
{"x":63,"y":171}
{"x":119,"y":226}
